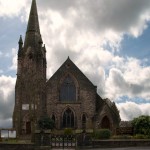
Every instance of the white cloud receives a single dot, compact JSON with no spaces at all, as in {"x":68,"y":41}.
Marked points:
{"x":11,"y":8}
{"x":6,"y":99}
{"x":119,"y":16}
{"x":14,"y":59}
{"x":130,"y":79}
{"x":7,"y":86}
{"x":73,"y":28}
{"x":130,"y":110}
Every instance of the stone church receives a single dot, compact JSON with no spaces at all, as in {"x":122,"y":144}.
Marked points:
{"x":68,"y":97}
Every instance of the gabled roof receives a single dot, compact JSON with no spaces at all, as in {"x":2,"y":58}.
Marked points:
{"x":69,"y":67}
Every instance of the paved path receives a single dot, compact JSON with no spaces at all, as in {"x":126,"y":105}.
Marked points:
{"x":128,"y":148}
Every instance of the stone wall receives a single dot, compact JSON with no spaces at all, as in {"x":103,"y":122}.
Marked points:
{"x":125,"y":131}
{"x":121,"y":143}
{"x":16,"y":146}
{"x":96,"y":144}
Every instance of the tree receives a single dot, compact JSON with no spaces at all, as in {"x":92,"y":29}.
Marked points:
{"x":46,"y":123}
{"x":141,"y":125}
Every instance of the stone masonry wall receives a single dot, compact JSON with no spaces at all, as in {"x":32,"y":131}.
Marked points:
{"x":86,"y":96}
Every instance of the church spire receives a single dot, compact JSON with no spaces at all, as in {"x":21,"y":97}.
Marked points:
{"x":33,"y":23}
{"x":33,"y":37}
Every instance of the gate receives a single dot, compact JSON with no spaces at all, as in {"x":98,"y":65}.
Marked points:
{"x":63,"y":141}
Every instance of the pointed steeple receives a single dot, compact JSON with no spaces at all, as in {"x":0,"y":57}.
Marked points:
{"x":33,"y":37}
{"x":33,"y":23}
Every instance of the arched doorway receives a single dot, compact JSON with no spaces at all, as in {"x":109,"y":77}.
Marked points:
{"x":68,"y":119}
{"x":105,"y":123}
{"x":28,"y":127}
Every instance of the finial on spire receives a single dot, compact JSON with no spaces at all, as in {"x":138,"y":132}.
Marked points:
{"x":20,"y":46}
{"x":40,"y":40}
{"x":20,"y":40}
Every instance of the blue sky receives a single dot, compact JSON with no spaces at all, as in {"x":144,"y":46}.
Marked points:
{"x":137,"y":47}
{"x":10,"y":30}
{"x":108,"y":40}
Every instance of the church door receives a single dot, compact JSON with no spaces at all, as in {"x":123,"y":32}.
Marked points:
{"x":28,"y":127}
{"x":105,"y":124}
{"x":68,"y":119}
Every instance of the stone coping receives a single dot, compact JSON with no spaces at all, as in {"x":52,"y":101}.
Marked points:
{"x":121,"y":143}
{"x":96,"y":144}
{"x":122,"y":140}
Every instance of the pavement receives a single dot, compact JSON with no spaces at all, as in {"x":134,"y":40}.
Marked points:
{"x":127,"y":148}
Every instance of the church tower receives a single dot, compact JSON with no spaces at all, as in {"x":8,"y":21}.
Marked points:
{"x":30,"y":90}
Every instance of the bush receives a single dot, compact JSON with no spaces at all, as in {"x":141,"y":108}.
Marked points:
{"x":142,"y":125}
{"x":68,"y":131}
{"x":46,"y":123}
{"x":140,"y":136}
{"x":102,"y":134}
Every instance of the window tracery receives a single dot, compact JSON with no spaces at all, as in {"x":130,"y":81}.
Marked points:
{"x":68,"y":90}
{"x":68,"y":119}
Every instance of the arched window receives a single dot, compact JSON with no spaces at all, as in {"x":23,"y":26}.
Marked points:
{"x":68,"y":119}
{"x":68,"y":90}
{"x":84,"y":121}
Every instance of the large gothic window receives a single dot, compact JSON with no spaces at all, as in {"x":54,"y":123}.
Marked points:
{"x":68,"y":90}
{"x":68,"y":119}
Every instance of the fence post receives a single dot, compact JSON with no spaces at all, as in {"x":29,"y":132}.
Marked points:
{"x":63,"y":142}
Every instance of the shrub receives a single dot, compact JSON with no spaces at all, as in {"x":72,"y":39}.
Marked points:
{"x":46,"y":123}
{"x":142,"y":125}
{"x":140,"y":136}
{"x":68,"y":131}
{"x":102,"y":134}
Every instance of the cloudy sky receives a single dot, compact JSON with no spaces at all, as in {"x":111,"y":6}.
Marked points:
{"x":109,"y":40}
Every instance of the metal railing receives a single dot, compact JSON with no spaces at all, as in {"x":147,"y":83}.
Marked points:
{"x":63,"y":141}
